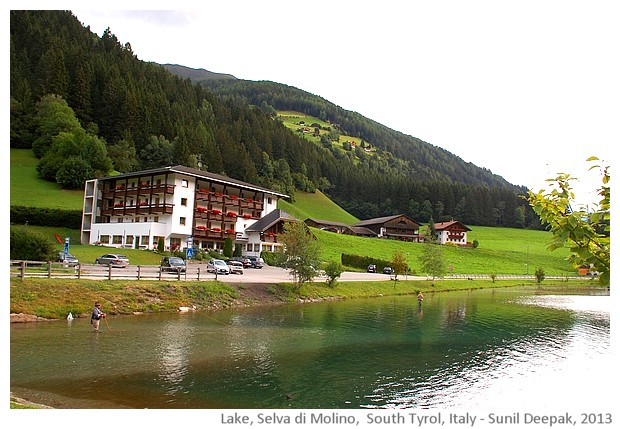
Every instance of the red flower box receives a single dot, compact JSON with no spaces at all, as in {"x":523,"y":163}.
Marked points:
{"x":231,"y":214}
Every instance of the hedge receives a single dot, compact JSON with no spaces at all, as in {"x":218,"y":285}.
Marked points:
{"x":21,"y":215}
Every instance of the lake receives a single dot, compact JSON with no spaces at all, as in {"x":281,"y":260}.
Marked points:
{"x":483,"y":348}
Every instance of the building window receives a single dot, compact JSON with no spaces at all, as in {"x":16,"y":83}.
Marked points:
{"x":146,"y":219}
{"x":117,"y":239}
{"x":268,"y":200}
{"x":184,"y":202}
{"x":144,"y":240}
{"x":129,"y":240}
{"x":184,"y":183}
{"x":104,"y":239}
{"x":156,"y":219}
{"x":182,"y":220}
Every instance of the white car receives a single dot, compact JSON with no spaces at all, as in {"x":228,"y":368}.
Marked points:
{"x":235,"y":267}
{"x":218,"y":266}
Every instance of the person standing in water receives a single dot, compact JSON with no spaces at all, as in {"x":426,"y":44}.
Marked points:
{"x":97,"y":316}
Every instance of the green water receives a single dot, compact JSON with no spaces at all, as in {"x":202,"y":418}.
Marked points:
{"x":455,"y":350}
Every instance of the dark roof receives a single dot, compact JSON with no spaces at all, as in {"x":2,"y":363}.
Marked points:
{"x":328,"y":222}
{"x":440,"y":226}
{"x":381,"y":220}
{"x":196,"y":173}
{"x":362,"y":230}
{"x":269,"y":220}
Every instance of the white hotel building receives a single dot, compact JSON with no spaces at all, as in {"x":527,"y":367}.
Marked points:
{"x":178,"y":204}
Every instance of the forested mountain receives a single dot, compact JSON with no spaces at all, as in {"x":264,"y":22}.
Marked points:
{"x":86,"y":104}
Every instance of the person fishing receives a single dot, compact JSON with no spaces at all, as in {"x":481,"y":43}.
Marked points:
{"x":420,"y":298}
{"x":97,"y":316}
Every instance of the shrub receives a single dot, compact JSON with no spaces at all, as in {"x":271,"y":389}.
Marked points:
{"x":31,"y":246}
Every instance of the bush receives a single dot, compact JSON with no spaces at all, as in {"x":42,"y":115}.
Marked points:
{"x":333,"y":270}
{"x":46,"y":217}
{"x":30,"y":246}
{"x":362,"y":262}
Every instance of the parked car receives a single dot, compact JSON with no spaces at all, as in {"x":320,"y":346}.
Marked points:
{"x":113,"y":260}
{"x":68,"y":259}
{"x":173,"y":264}
{"x":371,"y":269}
{"x":235,"y":267}
{"x":387,"y":270}
{"x":256,"y":262}
{"x":244,"y":260}
{"x":218,"y":266}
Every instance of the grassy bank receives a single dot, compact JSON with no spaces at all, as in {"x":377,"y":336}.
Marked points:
{"x":55,"y":298}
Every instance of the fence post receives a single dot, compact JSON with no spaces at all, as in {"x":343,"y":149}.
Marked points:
{"x":198,"y":273}
{"x":109,"y":271}
{"x":79,"y":270}
{"x":22,"y":269}
{"x":138,"y":272}
{"x":159,"y":275}
{"x":49,"y":269}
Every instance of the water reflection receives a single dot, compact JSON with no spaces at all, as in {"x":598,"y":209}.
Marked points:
{"x":175,"y":339}
{"x":459,"y":350}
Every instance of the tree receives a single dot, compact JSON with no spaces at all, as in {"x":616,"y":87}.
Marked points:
{"x":398,"y":263}
{"x":586,"y":231}
{"x":539,"y":274}
{"x":228,"y":247}
{"x":432,"y":260}
{"x":302,"y":252}
{"x":333,"y":270}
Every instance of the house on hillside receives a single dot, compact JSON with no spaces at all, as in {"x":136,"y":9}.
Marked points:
{"x":263,"y":234}
{"x":180,"y":205}
{"x":451,"y":232}
{"x":399,"y":227}
{"x":340,"y":228}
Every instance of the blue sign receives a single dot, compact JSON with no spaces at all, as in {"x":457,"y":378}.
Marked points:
{"x":66,"y":246}
{"x":189,"y":252}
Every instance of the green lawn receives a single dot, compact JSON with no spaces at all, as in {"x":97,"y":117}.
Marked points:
{"x":27,"y":189}
{"x":500,"y":251}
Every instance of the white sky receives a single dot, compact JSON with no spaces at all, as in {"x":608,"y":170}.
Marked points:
{"x":524,"y":88}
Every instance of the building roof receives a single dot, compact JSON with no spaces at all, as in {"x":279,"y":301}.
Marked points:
{"x":381,"y":220}
{"x":269,"y":220}
{"x":196,"y":173}
{"x":440,"y":226}
{"x":327,"y":222}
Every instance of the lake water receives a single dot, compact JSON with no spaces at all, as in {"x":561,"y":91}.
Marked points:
{"x":487,"y":348}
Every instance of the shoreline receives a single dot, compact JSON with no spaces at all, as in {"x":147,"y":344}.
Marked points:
{"x":46,"y":400}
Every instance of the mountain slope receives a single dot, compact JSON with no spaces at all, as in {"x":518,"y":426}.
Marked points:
{"x":147,"y":118}
{"x":195,"y":75}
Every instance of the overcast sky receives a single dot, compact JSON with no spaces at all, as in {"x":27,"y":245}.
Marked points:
{"x":524,"y":88}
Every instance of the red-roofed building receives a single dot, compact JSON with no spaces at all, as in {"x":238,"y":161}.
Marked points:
{"x":451,"y":232}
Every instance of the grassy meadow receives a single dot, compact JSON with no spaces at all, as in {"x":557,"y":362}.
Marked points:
{"x":500,"y":251}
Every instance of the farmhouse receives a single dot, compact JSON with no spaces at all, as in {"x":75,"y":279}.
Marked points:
{"x":182,"y":206}
{"x":399,"y":227}
{"x":451,"y":232}
{"x":263,"y":234}
{"x":339,"y":227}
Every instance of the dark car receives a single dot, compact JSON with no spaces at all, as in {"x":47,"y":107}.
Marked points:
{"x":244,"y":261}
{"x":256,"y":262}
{"x":173,"y":264}
{"x":113,"y":260}
{"x":371,"y":269}
{"x":68,"y":259}
{"x":387,"y":270}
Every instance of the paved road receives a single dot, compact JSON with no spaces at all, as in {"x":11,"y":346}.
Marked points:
{"x":269,"y":274}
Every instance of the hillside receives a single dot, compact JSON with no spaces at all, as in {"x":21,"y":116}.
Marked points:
{"x":196,"y":75}
{"x":501,"y":250}
{"x":138,"y":115}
